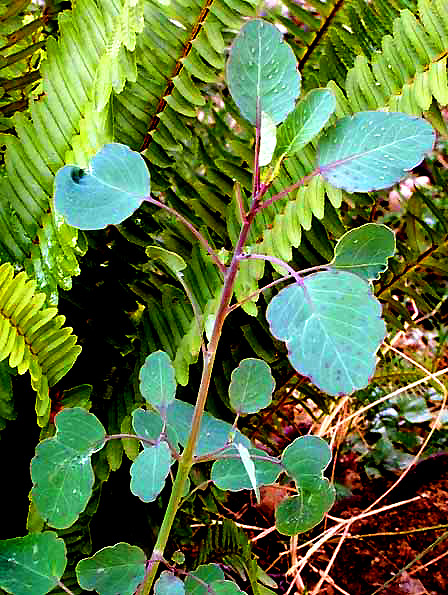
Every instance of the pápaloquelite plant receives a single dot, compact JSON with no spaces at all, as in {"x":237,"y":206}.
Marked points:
{"x":329,"y":319}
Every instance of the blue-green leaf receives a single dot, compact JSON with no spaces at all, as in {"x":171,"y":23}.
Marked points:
{"x":106,"y":193}
{"x":149,"y":471}
{"x":364,"y":251}
{"x":373,"y":150}
{"x":332,"y":327}
{"x":149,"y":425}
{"x":169,"y":584}
{"x":62,"y":471}
{"x":114,"y":570}
{"x":305,"y":122}
{"x":32,"y":565}
{"x":230,"y":473}
{"x":207,"y":573}
{"x":262,"y":70}
{"x":158,"y":380}
{"x":251,"y":386}
{"x":307,"y":455}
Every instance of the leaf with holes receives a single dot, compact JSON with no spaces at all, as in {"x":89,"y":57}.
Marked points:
{"x":251,"y":386}
{"x":114,"y":570}
{"x":32,"y":565}
{"x":149,"y":471}
{"x":262,"y":70}
{"x":373,"y":150}
{"x":62,"y":471}
{"x":332,"y":327}
{"x":106,"y":193}
{"x":364,"y":251}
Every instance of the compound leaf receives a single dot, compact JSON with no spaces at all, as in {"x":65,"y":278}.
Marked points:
{"x":62,"y":471}
{"x":332,"y":327}
{"x":106,"y":193}
{"x":158,"y":380}
{"x":114,"y":570}
{"x":262,"y":70}
{"x":306,"y":121}
{"x":373,"y":150}
{"x":251,"y":386}
{"x":149,"y":471}
{"x":365,"y":251}
{"x":230,"y":473}
{"x":32,"y":565}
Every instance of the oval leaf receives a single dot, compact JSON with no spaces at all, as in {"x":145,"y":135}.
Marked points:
{"x":158,"y":380}
{"x":32,"y":565}
{"x":251,"y":386}
{"x":373,"y":150}
{"x":169,"y":584}
{"x":230,"y":473}
{"x":307,"y":455}
{"x":149,"y":425}
{"x":332,"y":327}
{"x":306,"y":121}
{"x":303,"y":512}
{"x":365,"y":251}
{"x":106,"y":193}
{"x":115,"y":570}
{"x":149,"y":471}
{"x":62,"y":471}
{"x":262,"y":70}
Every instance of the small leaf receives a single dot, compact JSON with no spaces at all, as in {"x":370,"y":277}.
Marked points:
{"x":250,"y":468}
{"x":106,"y":193}
{"x":307,"y":455}
{"x":62,"y":471}
{"x":364,"y":251}
{"x":214,"y":433}
{"x":262,"y":70}
{"x":32,"y":565}
{"x":169,"y":584}
{"x":172,"y":260}
{"x":251,"y":386}
{"x":332,"y":327}
{"x":268,"y":139}
{"x":373,"y":150}
{"x":149,"y":471}
{"x":113,"y":570}
{"x":303,"y":512}
{"x":207,"y":573}
{"x":305,"y":122}
{"x":158,"y":380}
{"x":230,"y":474}
{"x":149,"y":424}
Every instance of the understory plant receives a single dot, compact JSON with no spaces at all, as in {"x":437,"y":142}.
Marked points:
{"x":327,"y":316}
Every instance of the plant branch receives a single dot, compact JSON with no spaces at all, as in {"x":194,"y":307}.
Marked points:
{"x":285,"y":192}
{"x":276,"y":260}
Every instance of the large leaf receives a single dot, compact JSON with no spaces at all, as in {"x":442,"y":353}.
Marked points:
{"x":332,"y":327}
{"x":114,"y":570}
{"x":230,"y":473}
{"x":32,"y":565}
{"x":365,"y":251}
{"x":304,"y":123}
{"x":158,"y":380}
{"x":62,"y":471}
{"x":149,"y":471}
{"x":251,"y":386}
{"x":106,"y":193}
{"x":262,"y":70}
{"x":373,"y":150}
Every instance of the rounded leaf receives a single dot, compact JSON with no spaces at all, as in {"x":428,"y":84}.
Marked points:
{"x":169,"y":584}
{"x":230,"y":473}
{"x":307,"y":455}
{"x":106,"y":193}
{"x":206,"y":574}
{"x":251,"y":386}
{"x":32,"y":565}
{"x":262,"y":70}
{"x":332,"y":327}
{"x":158,"y":380}
{"x":113,"y":570}
{"x":149,"y":471}
{"x":373,"y":150}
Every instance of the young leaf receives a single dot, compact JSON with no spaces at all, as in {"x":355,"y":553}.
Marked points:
{"x":303,"y":512}
{"x":169,"y":584}
{"x":230,"y":473}
{"x":332,"y":328}
{"x":107,"y":192}
{"x":364,"y":251}
{"x":262,"y":70}
{"x":149,"y":471}
{"x":373,"y":150}
{"x":114,"y":570}
{"x":172,"y":260}
{"x":62,"y":471}
{"x":268,"y":139}
{"x":249,"y":467}
{"x":207,"y":573}
{"x":305,"y":122}
{"x":32,"y":565}
{"x":158,"y":380}
{"x":251,"y":386}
